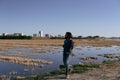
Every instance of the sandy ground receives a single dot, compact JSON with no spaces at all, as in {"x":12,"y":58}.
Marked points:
{"x":105,"y":72}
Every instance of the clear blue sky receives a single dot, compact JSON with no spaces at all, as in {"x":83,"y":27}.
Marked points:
{"x":81,"y":17}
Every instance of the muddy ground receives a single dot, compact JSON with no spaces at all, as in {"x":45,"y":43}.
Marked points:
{"x":105,"y":72}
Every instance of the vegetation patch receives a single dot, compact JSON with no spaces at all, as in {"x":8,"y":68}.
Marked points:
{"x":15,"y":37}
{"x":110,"y":61}
{"x":78,"y":68}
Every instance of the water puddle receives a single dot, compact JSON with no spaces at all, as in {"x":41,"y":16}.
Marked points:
{"x":52,"y":54}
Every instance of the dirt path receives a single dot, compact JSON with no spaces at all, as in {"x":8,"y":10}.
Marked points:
{"x":105,"y":72}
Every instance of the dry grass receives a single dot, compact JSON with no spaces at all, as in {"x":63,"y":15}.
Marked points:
{"x":24,"y":61}
{"x":8,"y":44}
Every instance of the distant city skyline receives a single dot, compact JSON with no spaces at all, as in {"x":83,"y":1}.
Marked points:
{"x":81,"y":17}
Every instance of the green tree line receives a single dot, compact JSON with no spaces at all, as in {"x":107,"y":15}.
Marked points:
{"x":15,"y":37}
{"x":79,"y":37}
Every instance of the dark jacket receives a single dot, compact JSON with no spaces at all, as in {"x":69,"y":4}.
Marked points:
{"x":68,"y":46}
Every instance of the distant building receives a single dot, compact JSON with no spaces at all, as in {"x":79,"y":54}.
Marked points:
{"x":40,"y":34}
{"x":14,"y":34}
{"x":18,"y":34}
{"x":47,"y":35}
{"x":35,"y":35}
{"x":60,"y":36}
{"x":4,"y":34}
{"x":10,"y":35}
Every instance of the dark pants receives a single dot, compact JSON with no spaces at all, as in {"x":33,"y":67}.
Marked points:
{"x":65,"y":61}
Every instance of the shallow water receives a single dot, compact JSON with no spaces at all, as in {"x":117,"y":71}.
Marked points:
{"x":55,"y":55}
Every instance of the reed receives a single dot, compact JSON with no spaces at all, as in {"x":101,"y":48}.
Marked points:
{"x":25,"y":61}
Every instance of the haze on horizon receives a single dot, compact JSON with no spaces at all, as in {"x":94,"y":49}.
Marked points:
{"x":81,"y":17}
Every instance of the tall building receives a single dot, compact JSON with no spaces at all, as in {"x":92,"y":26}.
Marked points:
{"x":40,"y":34}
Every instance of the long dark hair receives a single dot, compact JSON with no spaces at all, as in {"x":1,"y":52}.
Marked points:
{"x":68,"y":35}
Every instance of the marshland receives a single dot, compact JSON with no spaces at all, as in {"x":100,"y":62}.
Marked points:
{"x":35,"y":57}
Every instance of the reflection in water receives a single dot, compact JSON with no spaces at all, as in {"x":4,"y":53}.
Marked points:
{"x":52,"y":54}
